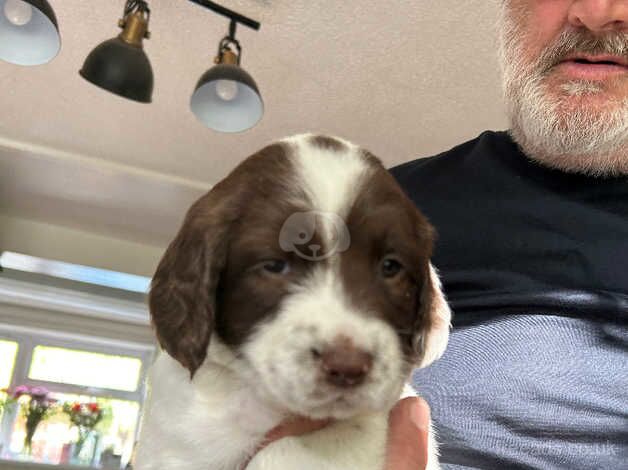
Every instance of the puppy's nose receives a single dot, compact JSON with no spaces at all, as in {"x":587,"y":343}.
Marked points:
{"x":345,"y":365}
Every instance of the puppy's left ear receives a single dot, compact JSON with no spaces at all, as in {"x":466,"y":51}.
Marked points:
{"x":430,"y":340}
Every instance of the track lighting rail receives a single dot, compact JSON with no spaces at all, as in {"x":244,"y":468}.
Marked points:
{"x":235,"y":17}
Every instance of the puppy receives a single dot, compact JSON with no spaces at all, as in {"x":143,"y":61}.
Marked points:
{"x":300,"y":285}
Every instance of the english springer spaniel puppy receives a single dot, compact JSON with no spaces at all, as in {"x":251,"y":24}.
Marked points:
{"x":300,"y":285}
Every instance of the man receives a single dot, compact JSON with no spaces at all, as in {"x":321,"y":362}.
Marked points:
{"x":533,"y":252}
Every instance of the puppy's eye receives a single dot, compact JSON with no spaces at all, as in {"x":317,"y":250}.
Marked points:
{"x":276,"y":266}
{"x":390,"y":267}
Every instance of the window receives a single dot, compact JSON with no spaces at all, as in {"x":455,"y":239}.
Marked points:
{"x":73,"y":369}
{"x":85,"y":368}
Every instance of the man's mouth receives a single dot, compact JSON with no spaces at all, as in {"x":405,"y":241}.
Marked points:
{"x":593,"y":67}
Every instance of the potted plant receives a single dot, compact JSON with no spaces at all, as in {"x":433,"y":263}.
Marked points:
{"x":38,"y":406}
{"x":85,"y":416}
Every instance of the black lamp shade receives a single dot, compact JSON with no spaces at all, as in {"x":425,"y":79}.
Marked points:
{"x":227,"y":99}
{"x":29,"y":34}
{"x":121,"y":68}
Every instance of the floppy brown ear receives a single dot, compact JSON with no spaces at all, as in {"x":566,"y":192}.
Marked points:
{"x":182,"y":295}
{"x":431,"y":338}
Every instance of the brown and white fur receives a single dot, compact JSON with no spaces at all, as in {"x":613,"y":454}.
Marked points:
{"x":266,"y":310}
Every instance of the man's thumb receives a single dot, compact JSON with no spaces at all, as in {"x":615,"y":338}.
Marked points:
{"x":408,"y":431}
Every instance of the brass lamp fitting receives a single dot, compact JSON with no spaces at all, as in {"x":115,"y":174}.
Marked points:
{"x":227,"y":56}
{"x":135,"y":28}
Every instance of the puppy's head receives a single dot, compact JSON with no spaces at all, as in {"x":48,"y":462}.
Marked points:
{"x":311,"y":265}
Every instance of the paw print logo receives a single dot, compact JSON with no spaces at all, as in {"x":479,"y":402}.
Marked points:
{"x":297,"y":234}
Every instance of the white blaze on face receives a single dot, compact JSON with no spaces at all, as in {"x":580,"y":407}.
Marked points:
{"x":331,"y":179}
{"x":573,"y":125}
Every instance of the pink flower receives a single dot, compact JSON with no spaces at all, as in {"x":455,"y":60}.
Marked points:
{"x":20,"y":390}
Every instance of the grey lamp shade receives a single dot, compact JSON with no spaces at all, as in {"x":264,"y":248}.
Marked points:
{"x":29,"y":34}
{"x":121,"y":68}
{"x":227,"y":99}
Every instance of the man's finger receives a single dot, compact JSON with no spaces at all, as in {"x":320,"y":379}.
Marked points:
{"x":296,"y":427}
{"x":408,"y":435}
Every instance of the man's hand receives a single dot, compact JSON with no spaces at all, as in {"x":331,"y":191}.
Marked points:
{"x":408,"y":430}
{"x":407,"y":434}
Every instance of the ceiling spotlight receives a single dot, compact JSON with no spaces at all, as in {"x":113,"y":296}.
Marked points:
{"x":120,"y":65}
{"x":29,"y":34}
{"x":226,"y":97}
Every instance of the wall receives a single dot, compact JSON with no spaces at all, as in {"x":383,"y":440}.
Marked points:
{"x":74,"y":246}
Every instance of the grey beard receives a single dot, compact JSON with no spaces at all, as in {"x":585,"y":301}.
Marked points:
{"x":579,"y":140}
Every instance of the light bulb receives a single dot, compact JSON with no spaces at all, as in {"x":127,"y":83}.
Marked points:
{"x":18,"y":12}
{"x":227,"y":89}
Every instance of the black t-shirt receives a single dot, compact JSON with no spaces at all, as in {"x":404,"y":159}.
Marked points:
{"x":534,"y":263}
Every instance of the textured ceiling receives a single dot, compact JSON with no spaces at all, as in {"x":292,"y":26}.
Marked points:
{"x":402,"y":78}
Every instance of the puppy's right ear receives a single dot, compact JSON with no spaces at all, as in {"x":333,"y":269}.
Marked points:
{"x":182,"y":295}
{"x":432,"y":344}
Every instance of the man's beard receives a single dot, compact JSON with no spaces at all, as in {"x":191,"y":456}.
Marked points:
{"x":579,"y":138}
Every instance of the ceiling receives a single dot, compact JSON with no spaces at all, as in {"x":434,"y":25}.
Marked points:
{"x":403,"y":78}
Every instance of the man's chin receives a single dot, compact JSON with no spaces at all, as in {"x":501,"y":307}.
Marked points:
{"x":577,"y":105}
{"x":577,"y":108}
{"x":586,"y":92}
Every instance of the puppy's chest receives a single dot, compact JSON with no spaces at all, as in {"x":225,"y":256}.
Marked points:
{"x":357,"y":443}
{"x":233,"y":420}
{"x":216,"y":422}
{"x":243,"y":420}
